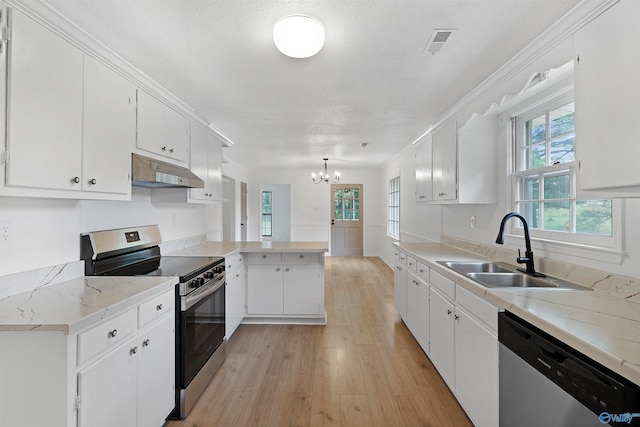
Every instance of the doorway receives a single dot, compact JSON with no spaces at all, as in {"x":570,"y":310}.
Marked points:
{"x":243,"y":211}
{"x":346,"y":220}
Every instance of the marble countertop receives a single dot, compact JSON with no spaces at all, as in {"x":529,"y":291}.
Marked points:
{"x":75,"y":304}
{"x":601,"y":323}
{"x":229,"y":248}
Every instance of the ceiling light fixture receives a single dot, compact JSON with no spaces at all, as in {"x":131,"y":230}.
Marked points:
{"x":298,"y":36}
{"x":324,"y":176}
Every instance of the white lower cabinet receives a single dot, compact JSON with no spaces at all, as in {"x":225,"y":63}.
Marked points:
{"x":235,"y":293}
{"x":441,"y":334}
{"x":285,"y":285}
{"x":117,"y":372}
{"x":418,"y":309}
{"x":464,"y":350}
{"x":400,"y":286}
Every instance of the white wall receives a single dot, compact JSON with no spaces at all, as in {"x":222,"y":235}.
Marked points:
{"x":280,"y":212}
{"x":311,"y":204}
{"x":46,"y":232}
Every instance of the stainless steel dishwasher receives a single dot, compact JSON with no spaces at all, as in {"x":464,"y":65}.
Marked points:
{"x":544,"y":382}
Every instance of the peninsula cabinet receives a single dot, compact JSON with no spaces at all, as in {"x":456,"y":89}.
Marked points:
{"x":459,"y":164}
{"x":400,"y":285}
{"x":73,"y":150}
{"x":162,"y":131}
{"x":606,"y":101}
{"x":288,"y":285}
{"x":235,"y":292}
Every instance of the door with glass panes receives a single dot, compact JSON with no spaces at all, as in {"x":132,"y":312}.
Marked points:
{"x":346,"y":219}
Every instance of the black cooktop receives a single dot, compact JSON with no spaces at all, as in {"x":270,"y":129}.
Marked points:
{"x":185,"y":267}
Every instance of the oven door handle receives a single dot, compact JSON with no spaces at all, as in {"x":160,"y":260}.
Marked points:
{"x":188,"y":302}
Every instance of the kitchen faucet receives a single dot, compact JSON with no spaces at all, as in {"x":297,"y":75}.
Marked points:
{"x":528,"y":254}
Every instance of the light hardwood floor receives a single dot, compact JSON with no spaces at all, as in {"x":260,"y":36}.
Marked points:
{"x":363,"y":368}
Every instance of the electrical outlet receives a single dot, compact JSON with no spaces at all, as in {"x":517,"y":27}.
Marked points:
{"x":472,"y":221}
{"x":5,"y":232}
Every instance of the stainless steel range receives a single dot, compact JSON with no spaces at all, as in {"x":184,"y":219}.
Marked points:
{"x":200,"y":300}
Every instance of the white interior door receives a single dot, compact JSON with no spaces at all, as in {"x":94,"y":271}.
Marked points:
{"x":346,"y":219}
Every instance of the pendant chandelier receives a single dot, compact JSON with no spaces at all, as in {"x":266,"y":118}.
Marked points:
{"x":324,"y":176}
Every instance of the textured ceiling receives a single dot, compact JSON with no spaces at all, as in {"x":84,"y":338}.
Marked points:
{"x":372,"y":82}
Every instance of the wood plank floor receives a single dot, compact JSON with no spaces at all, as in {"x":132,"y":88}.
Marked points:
{"x":363,"y":368}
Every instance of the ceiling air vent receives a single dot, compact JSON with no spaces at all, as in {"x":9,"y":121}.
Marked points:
{"x":438,"y":39}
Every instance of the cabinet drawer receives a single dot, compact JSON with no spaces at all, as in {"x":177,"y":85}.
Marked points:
{"x":240,"y":260}
{"x":423,"y":272}
{"x":300,"y":257}
{"x":156,"y":308}
{"x":105,"y":335}
{"x":446,"y":286}
{"x":484,"y":311}
{"x":403,"y":258}
{"x":264,"y":257}
{"x":412,"y":264}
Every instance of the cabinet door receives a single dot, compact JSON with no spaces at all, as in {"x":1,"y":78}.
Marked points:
{"x":424,"y":179}
{"x":445,"y":162}
{"x":177,"y":136}
{"x":606,"y":98}
{"x":476,"y":367}
{"x":301,"y":285}
{"x":264,"y":289}
{"x":400,"y":291}
{"x":44,"y":98}
{"x":109,"y":129}
{"x":156,"y":373}
{"x":441,"y":335}
{"x":199,"y":163}
{"x":108,"y":389}
{"x":418,"y":310}
{"x":152,"y":125}
{"x":230,"y":304}
{"x":241,"y":295}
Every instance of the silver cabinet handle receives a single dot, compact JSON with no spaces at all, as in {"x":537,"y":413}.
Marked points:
{"x":146,"y":342}
{"x":449,"y":312}
{"x":158,"y":307}
{"x":75,"y":179}
{"x":440,"y":194}
{"x":134,"y":350}
{"x":278,"y":269}
{"x":164,"y":148}
{"x":286,"y":269}
{"x":456,"y":317}
{"x":264,"y":256}
{"x":92,"y":181}
{"x":113,"y":333}
{"x":301,"y":256}
{"x":171,"y":150}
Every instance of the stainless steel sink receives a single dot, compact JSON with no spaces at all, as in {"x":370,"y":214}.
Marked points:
{"x":521,"y":280}
{"x":503,"y":275}
{"x":465,"y":267}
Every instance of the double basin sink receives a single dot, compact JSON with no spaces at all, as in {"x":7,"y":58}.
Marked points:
{"x":502,"y":275}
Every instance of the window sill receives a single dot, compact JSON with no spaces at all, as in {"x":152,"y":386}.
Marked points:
{"x":546,"y":247}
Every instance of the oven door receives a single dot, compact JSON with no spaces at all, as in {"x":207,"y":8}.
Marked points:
{"x":201,"y":329}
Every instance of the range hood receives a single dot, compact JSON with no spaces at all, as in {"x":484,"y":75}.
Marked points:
{"x":147,"y":172}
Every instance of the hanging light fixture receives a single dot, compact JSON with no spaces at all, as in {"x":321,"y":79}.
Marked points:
{"x":324,"y":176}
{"x":298,"y":36}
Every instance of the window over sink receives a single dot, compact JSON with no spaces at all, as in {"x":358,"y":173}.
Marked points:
{"x":544,"y":177}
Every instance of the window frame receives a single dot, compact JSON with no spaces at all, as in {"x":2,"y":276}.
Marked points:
{"x":263,"y":214}
{"x":393,"y":207}
{"x":606,"y":248}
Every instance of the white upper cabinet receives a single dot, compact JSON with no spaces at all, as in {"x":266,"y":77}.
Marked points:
{"x":44,"y":117}
{"x":109,"y":129}
{"x":607,"y":66}
{"x":206,"y":162}
{"x":459,"y":165}
{"x":161,"y":130}
{"x":71,"y":120}
{"x":424,"y":179}
{"x":445,"y":160}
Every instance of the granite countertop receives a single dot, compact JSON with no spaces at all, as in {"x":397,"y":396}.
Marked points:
{"x":602,"y":323}
{"x":75,"y":304}
{"x":229,"y":248}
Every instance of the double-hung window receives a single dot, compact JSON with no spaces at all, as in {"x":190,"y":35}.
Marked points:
{"x":267,"y":219}
{"x":545,"y":177}
{"x":393,"y":208}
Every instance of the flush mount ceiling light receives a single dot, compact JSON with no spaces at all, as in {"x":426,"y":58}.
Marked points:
{"x":324,"y":176}
{"x":298,"y":36}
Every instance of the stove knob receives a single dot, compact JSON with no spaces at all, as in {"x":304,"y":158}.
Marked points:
{"x":208,"y":275}
{"x":193,"y":283}
{"x":200,"y":281}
